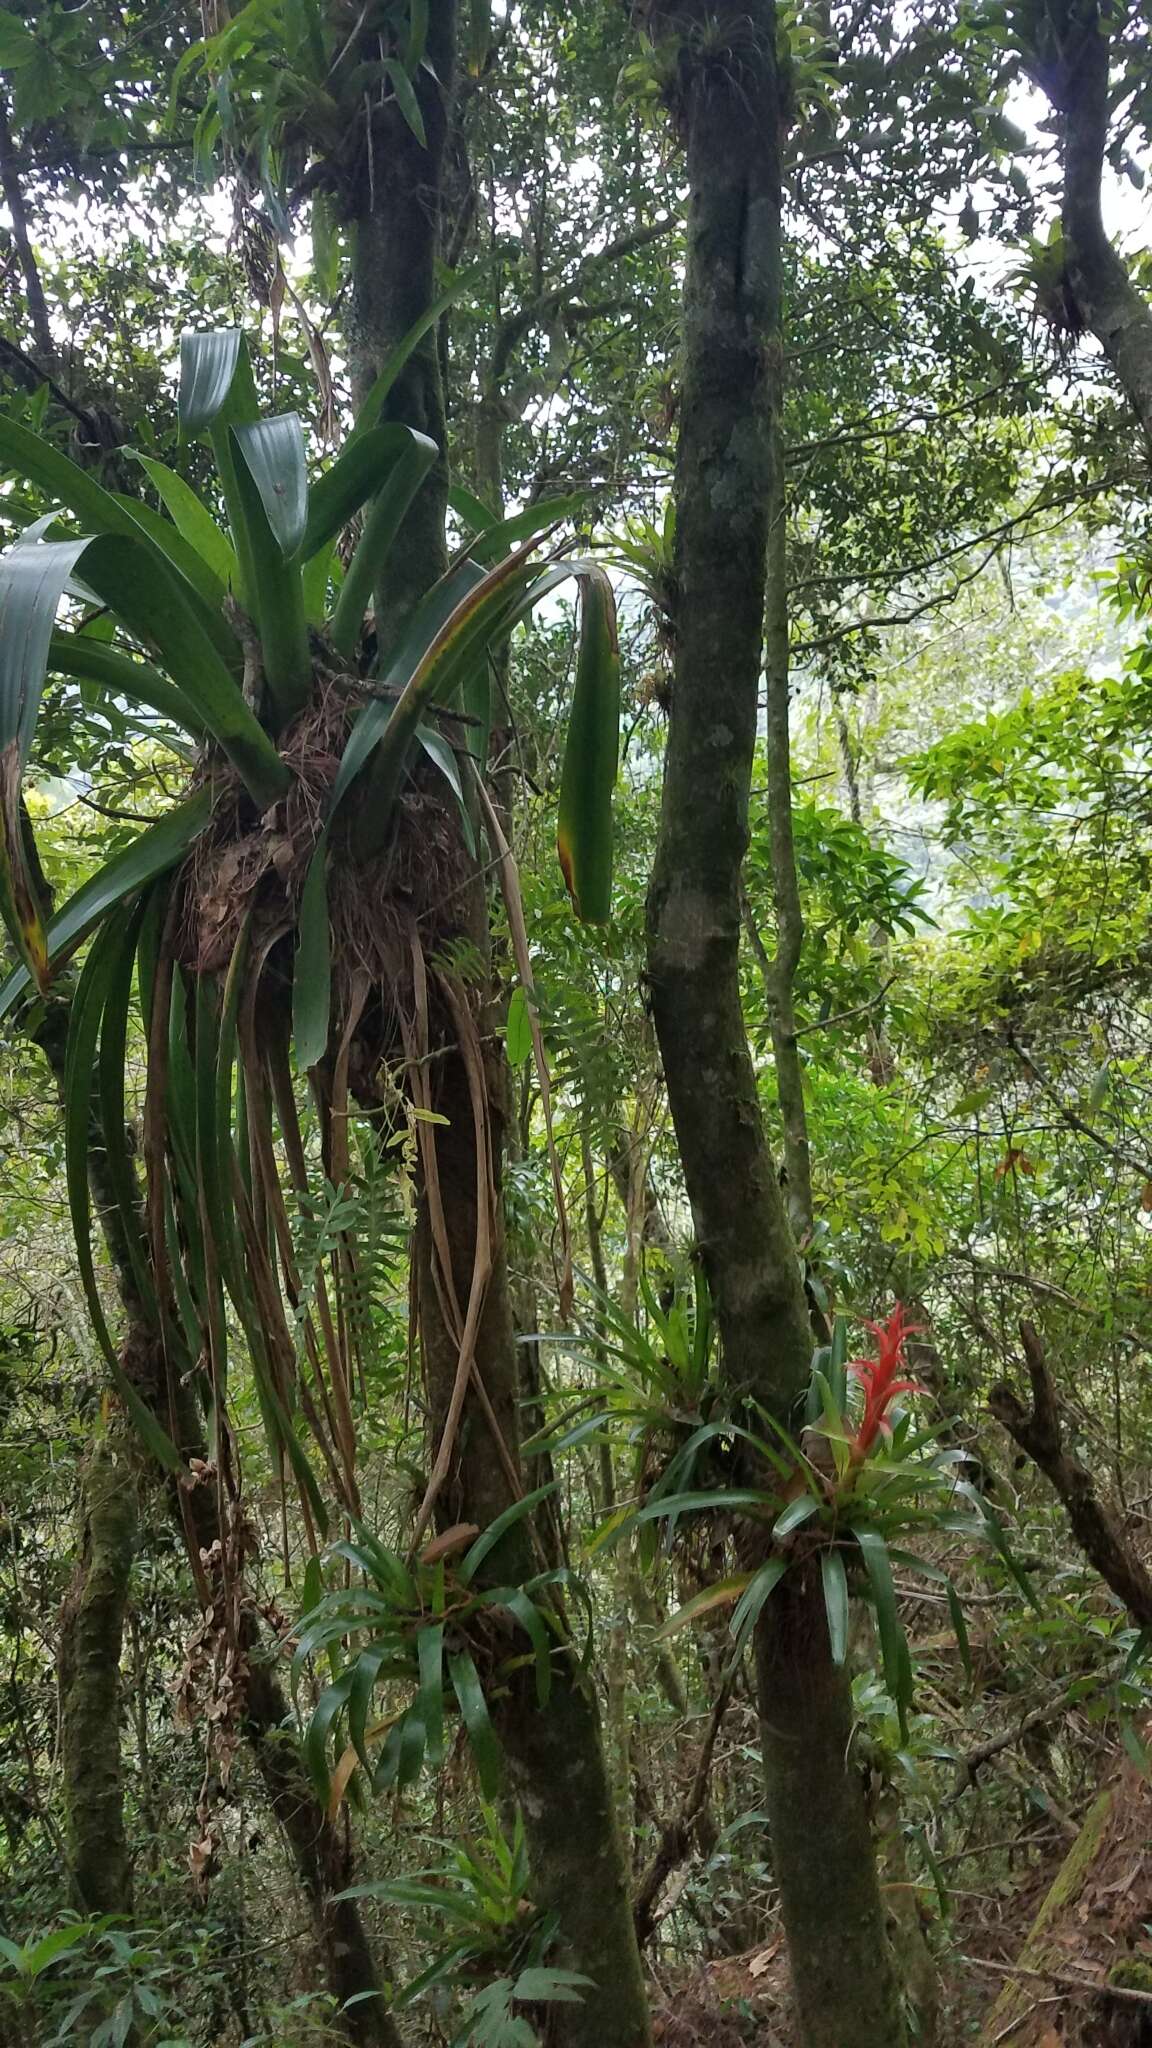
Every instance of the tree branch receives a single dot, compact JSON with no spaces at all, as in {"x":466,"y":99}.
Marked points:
{"x":1095,"y":1525}
{"x":21,"y":236}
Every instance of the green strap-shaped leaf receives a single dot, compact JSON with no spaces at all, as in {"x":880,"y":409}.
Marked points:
{"x":93,"y":661}
{"x":33,"y":578}
{"x":751,"y":1605}
{"x":208,"y":366}
{"x":477,"y":1720}
{"x":156,"y":849}
{"x":412,"y":1737}
{"x":516,"y":1600}
{"x":329,"y":1706}
{"x":192,"y":519}
{"x":362,"y":469}
{"x":430,"y":1699}
{"x":152,"y":603}
{"x":34,"y":575}
{"x":494,"y":535}
{"x":724,"y":1593}
{"x":182,"y":556}
{"x":893,"y":1641}
{"x":406,"y":471}
{"x":274,"y":452}
{"x":591,"y":755}
{"x":370,"y":410}
{"x":479,"y":617}
{"x":111,"y":1070}
{"x":797,"y":1512}
{"x":365,"y":1673}
{"x":960,"y":1628}
{"x":275,"y":589}
{"x":495,"y":1532}
{"x":106,"y":959}
{"x":65,"y":483}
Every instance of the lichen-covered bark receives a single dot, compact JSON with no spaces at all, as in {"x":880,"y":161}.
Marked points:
{"x":728,"y":112}
{"x":91,"y":1640}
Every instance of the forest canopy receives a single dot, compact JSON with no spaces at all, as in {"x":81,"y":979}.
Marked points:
{"x":575,"y":1024}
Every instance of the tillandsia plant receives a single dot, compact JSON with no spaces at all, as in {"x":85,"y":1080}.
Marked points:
{"x":290,"y":930}
{"x":422,"y":1629}
{"x":853,"y":1488}
{"x":653,"y":1375}
{"x":490,"y":1940}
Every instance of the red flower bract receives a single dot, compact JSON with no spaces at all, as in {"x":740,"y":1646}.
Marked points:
{"x":881,"y":1378}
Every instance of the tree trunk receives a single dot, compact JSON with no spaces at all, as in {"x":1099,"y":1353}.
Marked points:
{"x":1072,"y":67}
{"x":323,"y":1864}
{"x":396,"y":241}
{"x":555,"y":1756}
{"x":728,"y":112}
{"x":91,"y":1640}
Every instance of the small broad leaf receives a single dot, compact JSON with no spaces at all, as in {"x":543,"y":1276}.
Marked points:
{"x":723,"y":1594}
{"x":835,"y":1602}
{"x":518,"y":1030}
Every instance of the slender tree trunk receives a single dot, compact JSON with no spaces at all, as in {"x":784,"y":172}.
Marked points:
{"x":555,"y":1756}
{"x":322,"y":1861}
{"x":396,"y":240}
{"x":728,"y":112}
{"x":91,"y":1641}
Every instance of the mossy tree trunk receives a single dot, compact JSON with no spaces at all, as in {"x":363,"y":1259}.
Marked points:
{"x":556,"y":1762}
{"x":557,"y":1767}
{"x":727,"y":109}
{"x":91,"y":1641}
{"x":320,"y":1855}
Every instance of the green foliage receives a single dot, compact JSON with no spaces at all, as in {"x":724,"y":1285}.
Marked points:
{"x":497,"y":1943}
{"x":407,"y":1626}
